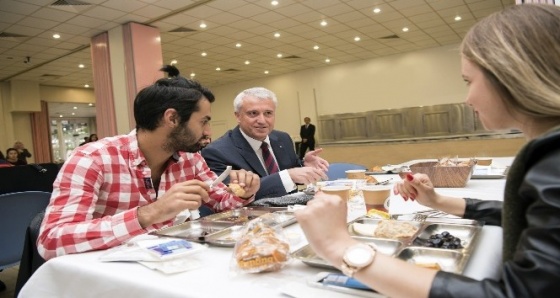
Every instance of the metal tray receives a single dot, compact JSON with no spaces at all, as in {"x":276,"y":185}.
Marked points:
{"x":384,"y":246}
{"x":449,"y":260}
{"x":192,"y":230}
{"x":229,"y":236}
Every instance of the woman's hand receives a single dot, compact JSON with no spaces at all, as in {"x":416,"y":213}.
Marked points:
{"x":417,"y":187}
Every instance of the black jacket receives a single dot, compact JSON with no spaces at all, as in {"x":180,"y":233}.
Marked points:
{"x":530,"y":218}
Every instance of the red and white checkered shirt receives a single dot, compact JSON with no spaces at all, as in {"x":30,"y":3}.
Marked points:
{"x":97,"y":191}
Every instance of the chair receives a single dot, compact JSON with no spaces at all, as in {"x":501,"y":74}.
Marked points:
{"x":30,"y":259}
{"x":338,"y":170}
{"x":16,"y":212}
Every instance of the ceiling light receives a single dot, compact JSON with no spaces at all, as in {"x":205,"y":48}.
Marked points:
{"x":203,"y":54}
{"x":323,"y":23}
{"x":73,"y":114}
{"x":266,"y":72}
{"x":274,"y":3}
{"x":90,"y":104}
{"x":247,"y":62}
{"x":81,"y":66}
{"x":376,"y":10}
{"x":328,"y":60}
{"x":316,"y":47}
{"x":193,"y":74}
{"x":218,"y":69}
{"x":405,"y":29}
{"x":202,"y":25}
{"x":87,"y":86}
{"x":173,"y":62}
{"x":56,"y":36}
{"x":276,"y":34}
{"x":75,"y":108}
{"x":279,"y":55}
{"x":237,"y":45}
{"x":457,"y":18}
{"x":357,"y":38}
{"x":60,"y":116}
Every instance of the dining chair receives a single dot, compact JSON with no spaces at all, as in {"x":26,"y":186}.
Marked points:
{"x":16,"y":212}
{"x":338,"y":170}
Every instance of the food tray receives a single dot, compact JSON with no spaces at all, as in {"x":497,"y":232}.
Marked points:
{"x":384,"y":246}
{"x":449,"y":260}
{"x":412,"y":249}
{"x":229,"y":236}
{"x":192,"y":230}
{"x":236,"y":216}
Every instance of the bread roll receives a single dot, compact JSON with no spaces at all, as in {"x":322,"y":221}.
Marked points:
{"x":260,"y":250}
{"x":237,"y":189}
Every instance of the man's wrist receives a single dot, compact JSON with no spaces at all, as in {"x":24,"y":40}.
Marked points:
{"x":247,"y":198}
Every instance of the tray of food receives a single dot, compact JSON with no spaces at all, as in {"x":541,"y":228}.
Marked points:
{"x":192,"y":230}
{"x":444,"y":245}
{"x":228,"y":237}
{"x":384,"y":246}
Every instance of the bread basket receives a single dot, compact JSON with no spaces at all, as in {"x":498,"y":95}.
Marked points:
{"x":445,"y":176}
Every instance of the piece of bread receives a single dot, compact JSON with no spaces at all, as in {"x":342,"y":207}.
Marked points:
{"x":260,"y":250}
{"x":237,"y":189}
{"x":393,"y":229}
{"x":371,"y":179}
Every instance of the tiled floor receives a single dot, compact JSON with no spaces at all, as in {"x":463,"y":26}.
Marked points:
{"x":9,"y":277}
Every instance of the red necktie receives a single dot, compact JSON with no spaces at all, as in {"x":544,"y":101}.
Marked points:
{"x":269,"y":162}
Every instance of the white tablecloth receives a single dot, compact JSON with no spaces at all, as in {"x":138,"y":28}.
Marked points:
{"x":83,"y":275}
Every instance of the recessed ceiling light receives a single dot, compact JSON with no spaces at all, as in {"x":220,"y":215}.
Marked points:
{"x":193,"y":74}
{"x":237,"y":45}
{"x":203,"y":54}
{"x":87,"y":86}
{"x":324,"y":23}
{"x":218,"y":69}
{"x":357,"y":38}
{"x":60,"y":116}
{"x":202,"y":25}
{"x":328,"y":60}
{"x":274,"y":3}
{"x":75,"y":108}
{"x":90,"y":104}
{"x":173,"y":62}
{"x":81,"y":66}
{"x":56,"y":36}
{"x":376,"y":10}
{"x":266,"y":72}
{"x":457,"y":18}
{"x":73,"y":114}
{"x":279,"y":55}
{"x":405,"y":29}
{"x":316,"y":47}
{"x":247,"y":62}
{"x":276,"y":34}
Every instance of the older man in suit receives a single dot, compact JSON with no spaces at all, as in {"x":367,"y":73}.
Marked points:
{"x":255,"y":146}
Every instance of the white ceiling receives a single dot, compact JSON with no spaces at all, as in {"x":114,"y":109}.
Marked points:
{"x":249,"y":22}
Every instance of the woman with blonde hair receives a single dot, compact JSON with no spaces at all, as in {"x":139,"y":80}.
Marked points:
{"x":511,"y":66}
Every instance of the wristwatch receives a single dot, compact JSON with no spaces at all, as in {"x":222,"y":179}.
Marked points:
{"x":357,"y":257}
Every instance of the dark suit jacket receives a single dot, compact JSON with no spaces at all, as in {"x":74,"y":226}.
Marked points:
{"x":232,"y":149}
{"x":308,"y":133}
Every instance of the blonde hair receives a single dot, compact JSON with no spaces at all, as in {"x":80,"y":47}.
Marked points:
{"x":518,"y":50}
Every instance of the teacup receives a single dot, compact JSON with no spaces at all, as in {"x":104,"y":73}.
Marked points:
{"x":339,"y":190}
{"x":376,"y":197}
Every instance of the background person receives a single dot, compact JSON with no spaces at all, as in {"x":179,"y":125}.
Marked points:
{"x":513,"y":81}
{"x":119,"y":187}
{"x":241,"y":147}
{"x":12,"y":157}
{"x":307,"y":134}
{"x":23,"y":153}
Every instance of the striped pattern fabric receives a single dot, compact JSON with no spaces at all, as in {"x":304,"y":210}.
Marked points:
{"x":269,"y":161}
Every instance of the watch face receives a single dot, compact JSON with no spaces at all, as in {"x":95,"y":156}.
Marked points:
{"x":359,"y":255}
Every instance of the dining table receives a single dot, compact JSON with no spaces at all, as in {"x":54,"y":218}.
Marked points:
{"x":212,"y":273}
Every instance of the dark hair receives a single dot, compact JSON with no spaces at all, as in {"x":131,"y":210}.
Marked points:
{"x":176,"y":93}
{"x":10,"y":149}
